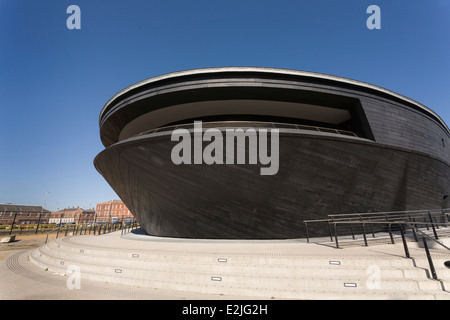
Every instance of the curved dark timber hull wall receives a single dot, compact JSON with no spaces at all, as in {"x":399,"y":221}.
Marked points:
{"x":344,"y":147}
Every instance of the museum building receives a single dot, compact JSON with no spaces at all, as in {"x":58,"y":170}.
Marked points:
{"x":341,"y":146}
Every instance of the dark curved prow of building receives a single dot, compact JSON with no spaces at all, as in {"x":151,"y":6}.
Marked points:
{"x":344,"y":146}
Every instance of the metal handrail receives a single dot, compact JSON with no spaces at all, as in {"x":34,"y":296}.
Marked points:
{"x":425,"y":245}
{"x":234,"y":123}
{"x":405,"y":220}
{"x":392,"y":213}
{"x":385,"y":216}
{"x":426,"y":235}
{"x":107,"y":227}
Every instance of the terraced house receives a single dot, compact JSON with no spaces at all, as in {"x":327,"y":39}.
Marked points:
{"x":22,"y":214}
{"x":72,"y":215}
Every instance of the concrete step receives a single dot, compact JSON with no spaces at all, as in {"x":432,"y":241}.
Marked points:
{"x":131,"y":271}
{"x":249,"y":266}
{"x":230,"y":258}
{"x":216,"y":266}
{"x":259,"y":288}
{"x":286,"y":270}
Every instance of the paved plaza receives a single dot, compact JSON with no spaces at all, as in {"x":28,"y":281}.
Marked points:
{"x":217,"y":269}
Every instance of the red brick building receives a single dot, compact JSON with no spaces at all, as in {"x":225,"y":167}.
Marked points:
{"x":22,"y":214}
{"x":87,"y":216}
{"x":113,"y":211}
{"x":72,"y":215}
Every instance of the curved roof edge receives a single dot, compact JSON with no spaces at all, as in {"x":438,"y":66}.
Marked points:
{"x":272,"y":70}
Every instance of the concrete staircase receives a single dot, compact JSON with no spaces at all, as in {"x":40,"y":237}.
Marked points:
{"x":317,"y":272}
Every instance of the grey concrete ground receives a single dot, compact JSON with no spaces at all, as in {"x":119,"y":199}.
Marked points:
{"x":22,"y":280}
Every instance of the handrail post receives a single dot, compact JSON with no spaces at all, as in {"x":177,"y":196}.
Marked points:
{"x":425,"y":220}
{"x":414,"y":230}
{"x":351,"y":228}
{"x":335,"y":235}
{"x":371,"y":229}
{"x":430,"y":261}
{"x":437,"y":223}
{"x":389,"y":228}
{"x":12,"y":224}
{"x":405,"y":245}
{"x":432,"y":226}
{"x":306,"y":228}
{"x":329,"y":230}
{"x":390,"y":234}
{"x":38,"y":222}
{"x":364,"y":234}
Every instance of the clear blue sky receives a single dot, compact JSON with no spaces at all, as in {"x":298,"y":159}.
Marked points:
{"x":54,"y":81}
